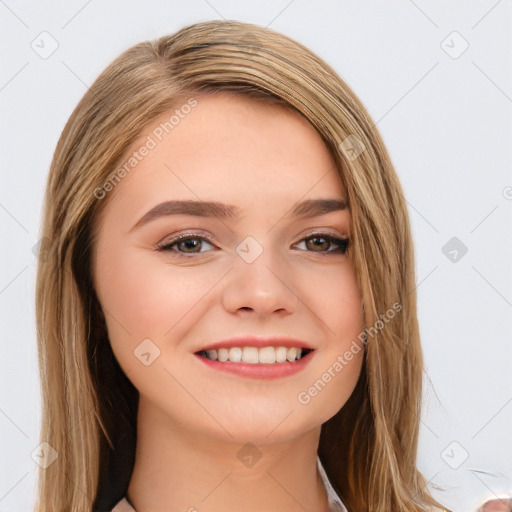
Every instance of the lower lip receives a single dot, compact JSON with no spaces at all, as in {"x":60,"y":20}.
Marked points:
{"x":260,"y":370}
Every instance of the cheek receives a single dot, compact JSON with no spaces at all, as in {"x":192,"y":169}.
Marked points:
{"x":332,"y":294}
{"x":143,"y":297}
{"x":336,"y":300}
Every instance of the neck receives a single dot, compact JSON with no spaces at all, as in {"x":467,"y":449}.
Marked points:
{"x":179,"y":470}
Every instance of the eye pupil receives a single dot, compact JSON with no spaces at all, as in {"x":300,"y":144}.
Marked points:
{"x":319,"y":242}
{"x":191,"y":243}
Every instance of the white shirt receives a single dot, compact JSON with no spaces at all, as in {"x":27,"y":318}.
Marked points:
{"x":335,"y":503}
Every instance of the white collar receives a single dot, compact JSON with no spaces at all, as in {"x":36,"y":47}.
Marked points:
{"x":335,"y":503}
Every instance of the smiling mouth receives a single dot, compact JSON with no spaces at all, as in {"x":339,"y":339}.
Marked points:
{"x":255,"y":355}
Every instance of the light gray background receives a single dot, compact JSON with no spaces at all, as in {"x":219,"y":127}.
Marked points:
{"x":446,"y":119}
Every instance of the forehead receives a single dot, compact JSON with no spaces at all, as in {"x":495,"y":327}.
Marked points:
{"x":228,"y":148}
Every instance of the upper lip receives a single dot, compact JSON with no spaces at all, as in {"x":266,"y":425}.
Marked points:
{"x":257,"y":341}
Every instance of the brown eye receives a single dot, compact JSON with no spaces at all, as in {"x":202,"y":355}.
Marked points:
{"x":187,"y":245}
{"x":324,"y":244}
{"x":190,"y":245}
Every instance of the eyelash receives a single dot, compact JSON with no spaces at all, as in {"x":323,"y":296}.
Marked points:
{"x":342,"y":243}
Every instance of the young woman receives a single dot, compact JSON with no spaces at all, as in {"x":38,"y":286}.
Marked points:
{"x":226,"y":301}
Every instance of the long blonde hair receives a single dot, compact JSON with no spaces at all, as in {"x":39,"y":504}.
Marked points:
{"x":369,"y":447}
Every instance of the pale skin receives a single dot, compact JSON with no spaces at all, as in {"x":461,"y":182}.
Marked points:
{"x":193,"y":420}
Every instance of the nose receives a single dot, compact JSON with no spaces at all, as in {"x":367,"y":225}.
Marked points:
{"x":261,"y":287}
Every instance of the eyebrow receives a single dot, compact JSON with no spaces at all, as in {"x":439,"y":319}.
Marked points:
{"x":306,"y":208}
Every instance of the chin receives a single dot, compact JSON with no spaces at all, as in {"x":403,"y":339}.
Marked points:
{"x":260,"y":428}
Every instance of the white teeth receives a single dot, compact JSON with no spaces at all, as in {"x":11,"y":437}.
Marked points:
{"x":250,"y":355}
{"x":267,"y":355}
{"x":223,"y":354}
{"x":253,"y":355}
{"x":291,"y":355}
{"x":211,"y":354}
{"x":281,"y":354}
{"x":235,"y":354}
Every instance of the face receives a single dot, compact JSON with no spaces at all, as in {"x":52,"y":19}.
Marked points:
{"x":271,"y":267}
